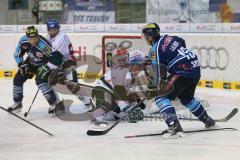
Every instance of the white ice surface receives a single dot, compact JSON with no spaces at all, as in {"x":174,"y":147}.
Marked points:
{"x":20,"y":141}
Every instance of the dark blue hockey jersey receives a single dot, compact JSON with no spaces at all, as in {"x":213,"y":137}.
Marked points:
{"x":37,"y":55}
{"x":169,"y":54}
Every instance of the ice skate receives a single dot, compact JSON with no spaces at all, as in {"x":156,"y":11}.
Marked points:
{"x":174,"y":131}
{"x":208,"y":121}
{"x":16,"y":107}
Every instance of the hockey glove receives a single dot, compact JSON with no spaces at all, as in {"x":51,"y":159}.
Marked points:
{"x":69,"y":64}
{"x":25,"y":46}
{"x":56,"y":76}
{"x":133,"y":97}
{"x":43,"y":72}
{"x":135,"y":115}
{"x":24,"y":69}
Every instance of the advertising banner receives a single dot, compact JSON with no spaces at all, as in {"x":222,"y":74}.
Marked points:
{"x":89,"y":11}
{"x":218,"y":53}
{"x":180,"y":11}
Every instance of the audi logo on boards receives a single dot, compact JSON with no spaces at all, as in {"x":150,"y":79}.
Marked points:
{"x":211,"y":57}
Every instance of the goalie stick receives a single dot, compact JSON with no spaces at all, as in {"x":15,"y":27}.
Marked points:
{"x":103,"y":132}
{"x":225,"y":119}
{"x":27,"y":121}
{"x":189,"y":131}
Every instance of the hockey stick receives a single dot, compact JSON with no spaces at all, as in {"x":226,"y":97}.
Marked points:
{"x":225,"y":119}
{"x":26,"y":121}
{"x":26,"y":113}
{"x":84,"y":85}
{"x":103,"y":132}
{"x":190,"y":131}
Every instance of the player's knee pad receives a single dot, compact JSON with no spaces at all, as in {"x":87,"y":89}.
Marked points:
{"x":17,"y":93}
{"x":48,"y":93}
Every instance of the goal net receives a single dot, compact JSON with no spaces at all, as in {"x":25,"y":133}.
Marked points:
{"x":110,"y":44}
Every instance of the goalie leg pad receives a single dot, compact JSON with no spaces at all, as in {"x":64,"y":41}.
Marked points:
{"x":104,"y":98}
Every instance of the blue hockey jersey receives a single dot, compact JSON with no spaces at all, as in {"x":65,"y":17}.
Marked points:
{"x":36,"y":55}
{"x":170,"y":55}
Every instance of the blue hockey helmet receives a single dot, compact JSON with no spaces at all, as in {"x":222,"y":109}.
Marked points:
{"x":151,"y":29}
{"x":53,"y":24}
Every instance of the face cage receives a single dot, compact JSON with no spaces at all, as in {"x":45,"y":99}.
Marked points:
{"x":135,"y":68}
{"x":121,"y":60}
{"x":33,"y":40}
{"x":53,"y":32}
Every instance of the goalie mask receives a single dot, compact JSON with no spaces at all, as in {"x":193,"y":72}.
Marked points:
{"x":121,"y":58}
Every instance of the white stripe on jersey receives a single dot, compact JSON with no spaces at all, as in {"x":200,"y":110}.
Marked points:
{"x":44,"y":41}
{"x":175,"y":61}
{"x":158,"y":61}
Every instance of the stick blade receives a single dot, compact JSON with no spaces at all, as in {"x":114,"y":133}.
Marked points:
{"x":234,"y":111}
{"x":95,"y":133}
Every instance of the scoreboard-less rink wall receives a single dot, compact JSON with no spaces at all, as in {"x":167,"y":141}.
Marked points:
{"x":218,"y":53}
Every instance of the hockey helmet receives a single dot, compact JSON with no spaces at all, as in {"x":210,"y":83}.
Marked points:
{"x":121,"y":57}
{"x":31,"y":31}
{"x":151,"y":29}
{"x":53,"y":24}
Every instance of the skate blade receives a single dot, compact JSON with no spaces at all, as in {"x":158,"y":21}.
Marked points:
{"x":17,"y":111}
{"x":173,"y":136}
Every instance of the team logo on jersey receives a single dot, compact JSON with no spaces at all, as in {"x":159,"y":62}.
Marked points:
{"x":153,"y":56}
{"x":47,"y":50}
{"x":166,"y":43}
{"x":39,"y":54}
{"x":24,"y":47}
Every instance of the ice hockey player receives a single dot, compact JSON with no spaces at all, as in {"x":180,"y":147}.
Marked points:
{"x":184,"y":73}
{"x":39,"y":57}
{"x":112,"y":94}
{"x":61,"y":42}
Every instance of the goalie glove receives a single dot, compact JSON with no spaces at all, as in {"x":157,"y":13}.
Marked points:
{"x":56,"y":76}
{"x":73,"y":87}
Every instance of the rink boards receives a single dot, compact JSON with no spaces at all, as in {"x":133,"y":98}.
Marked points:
{"x":218,"y":54}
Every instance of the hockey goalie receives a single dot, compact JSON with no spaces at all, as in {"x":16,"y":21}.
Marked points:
{"x":118,"y":89}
